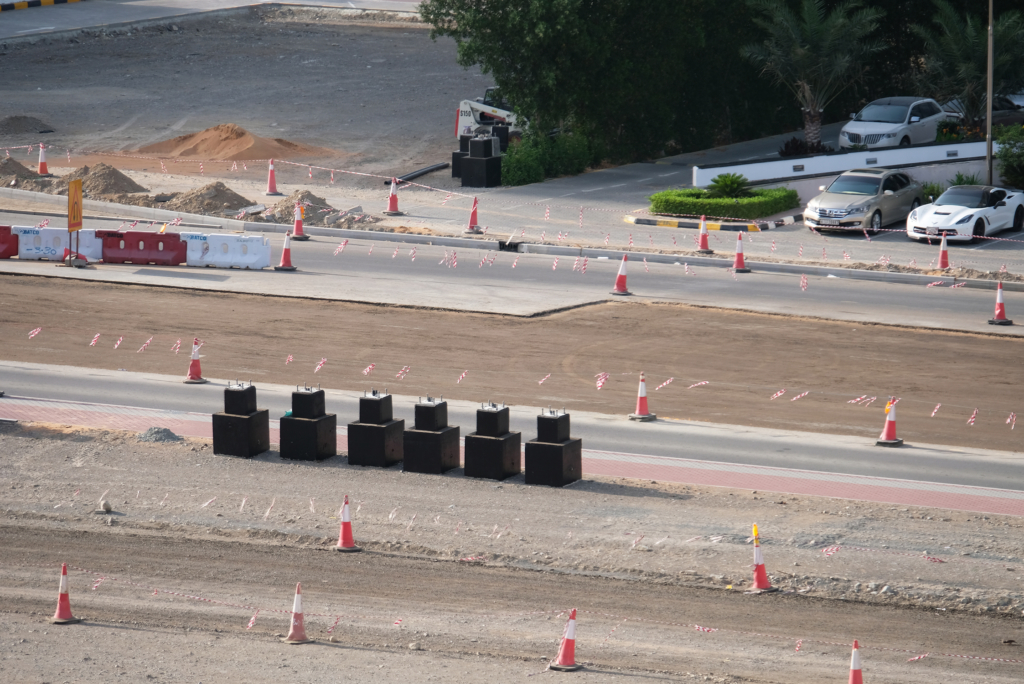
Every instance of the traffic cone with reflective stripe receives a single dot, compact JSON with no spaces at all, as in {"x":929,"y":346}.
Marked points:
{"x":345,"y":540}
{"x":888,"y":437}
{"x":297,"y":632}
{"x":642,"y":414}
{"x":473,"y":228}
{"x":620,"y":280}
{"x":943,"y":253}
{"x":63,"y":615}
{"x":1000,"y":317}
{"x":43,"y":171}
{"x":286,"y":255}
{"x":392,"y":209}
{"x":195,"y":372}
{"x":566,"y":659}
{"x":855,"y":674}
{"x":702,"y":245}
{"x":271,"y":181}
{"x":761,"y":583}
{"x":297,"y":233}
{"x":739,"y":266}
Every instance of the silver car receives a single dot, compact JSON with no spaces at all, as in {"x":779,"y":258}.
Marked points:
{"x":893,"y":122}
{"x":864,"y":199}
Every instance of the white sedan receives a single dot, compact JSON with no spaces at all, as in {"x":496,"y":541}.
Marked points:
{"x":968,"y":212}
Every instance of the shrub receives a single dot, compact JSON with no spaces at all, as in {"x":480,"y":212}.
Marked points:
{"x":798,"y":147}
{"x":537,"y":157}
{"x":695,"y":202}
{"x":1011,"y":154}
{"x":932,"y":190}
{"x":965,"y":179}
{"x":729,"y":185}
{"x":522,"y":164}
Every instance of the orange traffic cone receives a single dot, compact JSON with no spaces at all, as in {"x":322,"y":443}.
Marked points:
{"x":286,"y":255}
{"x":739,"y":266}
{"x":761,"y":583}
{"x":702,"y":246}
{"x":345,"y":540}
{"x":297,"y":233}
{"x":1000,"y":317}
{"x":642,"y":414}
{"x":392,"y":209}
{"x":620,"y":280}
{"x":195,"y":372}
{"x":855,"y":674}
{"x":473,"y":228}
{"x":43,"y":171}
{"x":271,"y":181}
{"x":297,"y":632}
{"x":943,"y":253}
{"x":566,"y":659}
{"x":63,"y":615}
{"x":888,"y":437}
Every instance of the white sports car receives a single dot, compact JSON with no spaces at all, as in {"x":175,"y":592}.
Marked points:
{"x":968,"y":212}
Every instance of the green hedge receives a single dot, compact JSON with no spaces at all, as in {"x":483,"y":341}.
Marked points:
{"x":536,"y":157}
{"x":692,"y":201}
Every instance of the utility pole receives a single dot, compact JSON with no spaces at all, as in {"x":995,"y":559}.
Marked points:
{"x":988,"y":99}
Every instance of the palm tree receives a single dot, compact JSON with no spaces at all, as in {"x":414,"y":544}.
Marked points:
{"x":814,"y":53}
{"x":956,"y":56}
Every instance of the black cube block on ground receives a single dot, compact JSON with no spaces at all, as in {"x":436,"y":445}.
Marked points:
{"x":480,"y":148}
{"x":309,"y":439}
{"x":481,"y":173}
{"x":432,"y":452}
{"x":492,"y":421}
{"x":553,"y":428}
{"x":501,"y":133}
{"x":431,"y":415}
{"x":375,"y":409}
{"x":555,"y":465}
{"x":239,"y":401}
{"x":494,"y":458}
{"x":457,"y":158}
{"x":376,"y":445}
{"x":308,"y":404}
{"x":245,"y":436}
{"x":464,"y":142}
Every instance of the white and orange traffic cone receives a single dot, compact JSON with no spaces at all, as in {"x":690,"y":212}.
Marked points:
{"x":195,"y":371}
{"x":271,"y":181}
{"x":888,"y":437}
{"x":298,"y":214}
{"x":702,"y":245}
{"x":286,"y":255}
{"x":63,"y":615}
{"x":739,"y":266}
{"x":566,"y":659}
{"x":1000,"y":317}
{"x":297,"y":632}
{"x":473,"y":228}
{"x":855,"y":674}
{"x":392,"y":209}
{"x":43,"y":171}
{"x":943,"y":253}
{"x":642,"y":414}
{"x":761,"y":583}
{"x":345,"y":540}
{"x":620,"y":280}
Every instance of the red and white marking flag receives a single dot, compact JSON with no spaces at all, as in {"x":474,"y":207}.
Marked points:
{"x":33,"y":333}
{"x":95,"y":340}
{"x":320,"y":365}
{"x":974,"y":416}
{"x":369,"y":369}
{"x":778,"y":394}
{"x":667,"y":382}
{"x":698,"y":384}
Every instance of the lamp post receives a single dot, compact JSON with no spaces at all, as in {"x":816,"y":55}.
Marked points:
{"x":988,"y":99}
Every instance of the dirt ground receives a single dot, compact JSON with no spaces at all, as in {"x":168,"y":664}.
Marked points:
{"x":242,"y":532}
{"x":746,"y":357}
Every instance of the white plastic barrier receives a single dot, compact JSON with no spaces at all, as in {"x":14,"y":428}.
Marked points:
{"x":41,"y":243}
{"x":88,"y":245}
{"x":227,"y":251}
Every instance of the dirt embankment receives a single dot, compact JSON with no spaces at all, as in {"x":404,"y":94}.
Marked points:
{"x":229,"y":142}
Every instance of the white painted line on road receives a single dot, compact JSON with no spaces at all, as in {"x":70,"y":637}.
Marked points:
{"x":616,"y":186}
{"x":592,"y":190}
{"x":644,"y":180}
{"x":44,"y":28}
{"x":983,"y":245}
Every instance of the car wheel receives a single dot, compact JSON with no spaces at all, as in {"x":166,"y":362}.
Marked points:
{"x":979,"y":230}
{"x":916,"y":203}
{"x":876,"y":222}
{"x":1018,"y":219}
{"x":905,"y":142}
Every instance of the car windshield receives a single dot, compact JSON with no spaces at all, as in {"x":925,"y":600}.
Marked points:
{"x":883,"y":113}
{"x":855,"y":185}
{"x":962,"y":197}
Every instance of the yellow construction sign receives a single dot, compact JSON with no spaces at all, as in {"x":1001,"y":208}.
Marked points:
{"x":75,"y":205}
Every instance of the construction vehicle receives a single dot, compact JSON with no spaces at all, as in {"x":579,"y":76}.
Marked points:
{"x":480,"y":115}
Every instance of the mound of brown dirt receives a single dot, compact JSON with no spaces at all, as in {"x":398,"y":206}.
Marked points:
{"x":317,"y":208}
{"x":99,"y":179}
{"x":228,"y":142}
{"x":14,"y":125}
{"x":214,"y":198}
{"x":11,"y":170}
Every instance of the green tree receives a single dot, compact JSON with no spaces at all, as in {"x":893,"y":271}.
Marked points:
{"x":816,"y":53}
{"x":955,"y":59}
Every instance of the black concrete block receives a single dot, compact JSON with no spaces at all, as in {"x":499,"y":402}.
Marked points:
{"x":309,"y":439}
{"x":245,"y":436}
{"x":481,"y":173}
{"x":308,"y":404}
{"x":501,"y":133}
{"x":553,"y":428}
{"x":432,"y":417}
{"x":494,"y":458}
{"x":492,"y":422}
{"x":240,"y":401}
{"x":375,"y":409}
{"x":457,"y":158}
{"x":464,"y":143}
{"x":481,"y":148}
{"x":376,"y":445}
{"x":555,"y":465}
{"x":431,"y":452}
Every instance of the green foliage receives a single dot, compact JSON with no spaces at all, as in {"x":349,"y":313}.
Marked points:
{"x":1010,"y":154}
{"x":729,"y":185}
{"x":965,"y":179}
{"x":522,"y":164}
{"x":537,"y":157}
{"x":696,"y":202}
{"x":932,"y":190}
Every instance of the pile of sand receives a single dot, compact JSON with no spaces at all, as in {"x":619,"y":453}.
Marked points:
{"x":16,"y":125}
{"x":11,"y":170}
{"x":228,"y":142}
{"x":99,"y":179}
{"x":214,"y":198}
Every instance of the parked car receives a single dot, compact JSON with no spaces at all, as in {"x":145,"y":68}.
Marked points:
{"x":1005,"y":112}
{"x":967,"y":212}
{"x":892,"y":122}
{"x":864,"y":199}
